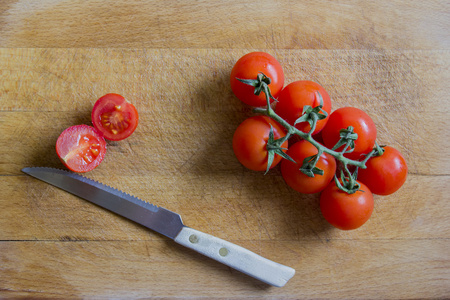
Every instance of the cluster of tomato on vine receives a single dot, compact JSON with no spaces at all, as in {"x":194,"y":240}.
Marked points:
{"x":334,"y":153}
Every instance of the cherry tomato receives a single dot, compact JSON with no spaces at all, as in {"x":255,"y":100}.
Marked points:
{"x":362,"y":124}
{"x":384,"y":174}
{"x":346,"y":211}
{"x":81,"y":148}
{"x":250,"y":142}
{"x":248,"y":67}
{"x":297,"y":95}
{"x":299,"y":181}
{"x":114,"y":117}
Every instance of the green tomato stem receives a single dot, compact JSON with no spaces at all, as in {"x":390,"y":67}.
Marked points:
{"x":349,"y":183}
{"x":291,"y":130}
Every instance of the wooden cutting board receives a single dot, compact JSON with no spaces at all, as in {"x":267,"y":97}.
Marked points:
{"x":55,"y":245}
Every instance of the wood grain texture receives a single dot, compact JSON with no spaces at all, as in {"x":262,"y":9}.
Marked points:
{"x":191,"y":97}
{"x":322,"y":24}
{"x":179,"y":158}
{"x":160,"y":269}
{"x":172,"y":60}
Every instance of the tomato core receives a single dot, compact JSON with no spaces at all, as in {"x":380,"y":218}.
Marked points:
{"x":114,"y":117}
{"x":114,"y":121}
{"x":81,"y":148}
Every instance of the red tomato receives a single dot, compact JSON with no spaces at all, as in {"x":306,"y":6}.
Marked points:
{"x":297,"y":95}
{"x":114,"y":117}
{"x":250,"y":142}
{"x":299,"y":181}
{"x":346,"y":211}
{"x":248,"y":67}
{"x":384,"y":174}
{"x":362,"y":124}
{"x":81,"y":148}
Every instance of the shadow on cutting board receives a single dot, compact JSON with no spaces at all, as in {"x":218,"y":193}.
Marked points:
{"x":279,"y":211}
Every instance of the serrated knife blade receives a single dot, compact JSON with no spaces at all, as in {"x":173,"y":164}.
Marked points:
{"x":165,"y":222}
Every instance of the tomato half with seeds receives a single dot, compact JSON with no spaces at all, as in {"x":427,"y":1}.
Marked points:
{"x":250,"y":142}
{"x":384,"y":174}
{"x":299,"y":181}
{"x":115,"y":117}
{"x":346,"y":211}
{"x":298,"y":94}
{"x":248,"y":67}
{"x":81,"y":148}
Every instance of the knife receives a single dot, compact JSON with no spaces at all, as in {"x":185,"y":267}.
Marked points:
{"x":166,"y":223}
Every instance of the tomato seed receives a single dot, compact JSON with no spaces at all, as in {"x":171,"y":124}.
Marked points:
{"x":87,"y":159}
{"x":95,"y":152}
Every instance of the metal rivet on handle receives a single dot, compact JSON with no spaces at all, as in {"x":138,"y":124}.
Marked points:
{"x":193,"y":239}
{"x":223,"y":251}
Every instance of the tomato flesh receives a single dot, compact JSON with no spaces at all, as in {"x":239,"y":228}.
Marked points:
{"x":81,"y":148}
{"x":114,"y":117}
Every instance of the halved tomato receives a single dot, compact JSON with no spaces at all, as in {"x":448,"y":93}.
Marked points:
{"x":114,"y":117}
{"x":81,"y":148}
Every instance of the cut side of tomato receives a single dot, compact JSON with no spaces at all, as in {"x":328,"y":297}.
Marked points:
{"x":81,"y":148}
{"x":114,"y":117}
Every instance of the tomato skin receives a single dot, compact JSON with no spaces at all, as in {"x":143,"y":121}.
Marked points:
{"x":114,"y":117}
{"x":363,"y":125}
{"x":248,"y":67}
{"x":346,"y":211}
{"x":384,"y":174}
{"x":299,"y":181}
{"x":81,"y":148}
{"x":297,"y":95}
{"x":250,"y":141}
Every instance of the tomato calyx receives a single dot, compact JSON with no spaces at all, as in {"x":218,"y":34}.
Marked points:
{"x":347,"y":181}
{"x":309,"y":165}
{"x":347,"y":139}
{"x":312,"y":114}
{"x":274,"y":146}
{"x":378,"y":150}
{"x":261,"y":84}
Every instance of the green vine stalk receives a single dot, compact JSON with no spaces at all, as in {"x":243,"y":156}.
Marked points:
{"x":347,"y":181}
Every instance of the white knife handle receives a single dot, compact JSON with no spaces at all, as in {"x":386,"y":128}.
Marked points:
{"x":235,"y":256}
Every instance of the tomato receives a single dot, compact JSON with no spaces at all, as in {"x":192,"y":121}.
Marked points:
{"x":299,"y":181}
{"x":250,"y":142}
{"x":295,"y":96}
{"x":114,"y":117}
{"x":384,"y":174}
{"x":81,"y":148}
{"x":346,"y":211}
{"x":248,"y":67}
{"x":362,"y":124}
